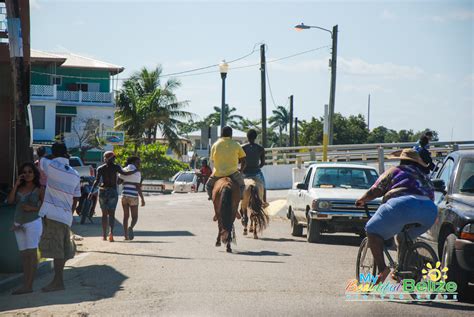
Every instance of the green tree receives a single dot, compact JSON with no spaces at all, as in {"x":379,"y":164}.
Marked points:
{"x":231,"y":119}
{"x":405,"y":135}
{"x":155,"y":164}
{"x":146,"y":105}
{"x":311,"y":132}
{"x":351,"y":130}
{"x":382,"y":134}
{"x":280,"y":120}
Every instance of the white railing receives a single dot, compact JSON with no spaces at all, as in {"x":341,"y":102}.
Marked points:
{"x":51,"y":92}
{"x":42,"y":91}
{"x":354,"y":152}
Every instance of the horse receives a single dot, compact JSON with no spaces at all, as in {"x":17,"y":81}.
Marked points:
{"x":252,"y":201}
{"x":226,"y":199}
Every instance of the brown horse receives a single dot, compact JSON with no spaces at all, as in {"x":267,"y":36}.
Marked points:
{"x":226,"y":198}
{"x":252,"y":201}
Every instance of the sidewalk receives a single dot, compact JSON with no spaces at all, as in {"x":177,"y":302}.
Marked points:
{"x":11,"y":280}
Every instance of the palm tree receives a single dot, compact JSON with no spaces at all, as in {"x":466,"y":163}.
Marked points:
{"x":231,"y":120}
{"x":280,"y":120}
{"x":145,"y":105}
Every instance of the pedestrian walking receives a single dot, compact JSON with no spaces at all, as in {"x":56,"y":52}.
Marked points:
{"x":28,"y":195}
{"x":203,"y":175}
{"x":62,"y":194}
{"x":108,"y":196}
{"x":132,"y":189}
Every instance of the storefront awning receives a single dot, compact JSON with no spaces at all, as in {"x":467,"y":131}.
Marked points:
{"x":66,"y":110}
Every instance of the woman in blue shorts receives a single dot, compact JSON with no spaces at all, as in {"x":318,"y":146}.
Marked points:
{"x":408,"y":196}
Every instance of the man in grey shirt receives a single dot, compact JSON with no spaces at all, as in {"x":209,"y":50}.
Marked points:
{"x":255,"y":160}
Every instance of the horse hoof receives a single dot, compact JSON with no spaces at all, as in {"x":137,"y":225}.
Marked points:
{"x":250,"y":230}
{"x":229,"y":250}
{"x":245,"y":232}
{"x":218,"y":244}
{"x":255,"y":237}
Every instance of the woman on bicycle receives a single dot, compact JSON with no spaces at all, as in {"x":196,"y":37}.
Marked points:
{"x":407,"y":198}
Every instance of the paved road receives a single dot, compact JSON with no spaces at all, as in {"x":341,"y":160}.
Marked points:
{"x":173,"y":269}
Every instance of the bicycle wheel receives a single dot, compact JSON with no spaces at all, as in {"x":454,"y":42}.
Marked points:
{"x":416,"y":258}
{"x":365,"y":260}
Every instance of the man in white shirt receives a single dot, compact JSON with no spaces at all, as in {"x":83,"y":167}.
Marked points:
{"x":62,"y":193}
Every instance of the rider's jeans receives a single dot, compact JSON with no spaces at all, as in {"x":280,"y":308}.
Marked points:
{"x":393,"y":215}
{"x":258,"y":175}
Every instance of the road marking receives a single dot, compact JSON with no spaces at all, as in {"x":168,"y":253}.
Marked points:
{"x":276,"y":206}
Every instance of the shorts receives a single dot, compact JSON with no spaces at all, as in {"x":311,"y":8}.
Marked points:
{"x":393,"y":215}
{"x":258,"y":175}
{"x":56,"y":241}
{"x":131,"y":201}
{"x":108,"y":199}
{"x":28,"y":236}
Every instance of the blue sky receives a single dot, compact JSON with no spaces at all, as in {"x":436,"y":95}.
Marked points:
{"x":415,"y":58}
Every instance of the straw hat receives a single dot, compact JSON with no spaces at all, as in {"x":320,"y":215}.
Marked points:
{"x":408,"y":155}
{"x":109,"y":155}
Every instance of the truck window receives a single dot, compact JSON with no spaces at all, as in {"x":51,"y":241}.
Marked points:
{"x":307,"y":177}
{"x":465,"y":185}
{"x":344,"y":177}
{"x":74,"y":162}
{"x":446,"y":171}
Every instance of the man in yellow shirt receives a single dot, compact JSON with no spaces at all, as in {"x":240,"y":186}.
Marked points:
{"x":226,"y":155}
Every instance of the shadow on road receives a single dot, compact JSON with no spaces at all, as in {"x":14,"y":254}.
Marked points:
{"x":163,"y":234}
{"x":466,"y":306}
{"x":341,"y":240}
{"x":134,"y":254}
{"x":281,"y":240}
{"x":88,"y":283}
{"x":261,"y":253}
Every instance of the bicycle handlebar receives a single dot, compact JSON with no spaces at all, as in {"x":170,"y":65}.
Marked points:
{"x":366,"y":208}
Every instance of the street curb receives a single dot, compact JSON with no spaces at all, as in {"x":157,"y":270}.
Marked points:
{"x":17,"y":279}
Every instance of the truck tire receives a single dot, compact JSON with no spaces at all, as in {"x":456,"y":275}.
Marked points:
{"x":456,"y":273}
{"x":314,"y":231}
{"x":296,"y":229}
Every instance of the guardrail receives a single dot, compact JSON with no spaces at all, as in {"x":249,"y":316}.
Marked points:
{"x":355,"y":152}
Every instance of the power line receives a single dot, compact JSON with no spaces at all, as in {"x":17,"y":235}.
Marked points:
{"x":186,"y":73}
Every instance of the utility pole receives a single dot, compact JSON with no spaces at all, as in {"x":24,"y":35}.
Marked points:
{"x":368,"y":114}
{"x":291,"y":120}
{"x":296,"y":131}
{"x":18,"y":19}
{"x":264,"y":95}
{"x":332,"y":94}
{"x":325,"y":133}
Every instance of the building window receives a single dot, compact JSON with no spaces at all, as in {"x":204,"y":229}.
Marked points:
{"x":38,"y":114}
{"x":63,"y":124}
{"x":57,"y":80}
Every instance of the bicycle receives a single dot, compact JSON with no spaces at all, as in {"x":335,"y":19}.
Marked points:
{"x":414,"y":257}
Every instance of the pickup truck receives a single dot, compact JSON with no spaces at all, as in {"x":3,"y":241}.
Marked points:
{"x":452,"y":234}
{"x":325,"y":201}
{"x":83,"y":170}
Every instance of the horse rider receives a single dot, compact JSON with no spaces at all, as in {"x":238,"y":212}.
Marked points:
{"x":254,"y":161}
{"x":226,"y":154}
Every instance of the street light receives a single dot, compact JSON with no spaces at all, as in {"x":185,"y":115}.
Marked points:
{"x":332,"y":91}
{"x":223,"y":68}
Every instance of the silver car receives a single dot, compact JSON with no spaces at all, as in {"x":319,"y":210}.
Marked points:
{"x":185,"y":182}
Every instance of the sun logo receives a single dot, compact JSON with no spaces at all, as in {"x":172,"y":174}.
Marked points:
{"x":435,"y":274}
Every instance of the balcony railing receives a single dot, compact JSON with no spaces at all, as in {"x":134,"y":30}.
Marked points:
{"x":51,"y":92}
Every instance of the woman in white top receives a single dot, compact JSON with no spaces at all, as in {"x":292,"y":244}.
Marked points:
{"x":132,"y":188}
{"x":28,"y":195}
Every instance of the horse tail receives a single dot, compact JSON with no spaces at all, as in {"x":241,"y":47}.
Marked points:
{"x":226,"y":211}
{"x":256,"y":204}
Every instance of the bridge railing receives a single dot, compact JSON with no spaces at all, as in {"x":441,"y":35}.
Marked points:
{"x":379,"y":152}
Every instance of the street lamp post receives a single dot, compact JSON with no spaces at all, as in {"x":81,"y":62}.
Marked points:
{"x":223,"y":68}
{"x":332,"y":91}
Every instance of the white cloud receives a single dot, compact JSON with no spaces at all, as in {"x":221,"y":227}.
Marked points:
{"x":387,"y":15}
{"x":457,"y":15}
{"x":359,"y":67}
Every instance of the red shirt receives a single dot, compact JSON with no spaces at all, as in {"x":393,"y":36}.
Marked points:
{"x":206,"y":171}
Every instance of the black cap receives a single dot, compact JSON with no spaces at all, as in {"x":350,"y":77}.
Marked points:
{"x":59,"y":150}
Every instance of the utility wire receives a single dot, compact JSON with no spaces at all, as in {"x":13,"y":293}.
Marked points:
{"x":186,"y":73}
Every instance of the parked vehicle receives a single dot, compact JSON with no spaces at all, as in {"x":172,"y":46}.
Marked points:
{"x":185,"y":182}
{"x":325,"y":201}
{"x":83,"y":170}
{"x":452,"y":235}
